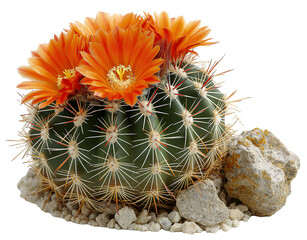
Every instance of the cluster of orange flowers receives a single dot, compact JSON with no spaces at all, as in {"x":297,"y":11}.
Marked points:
{"x":113,"y":57}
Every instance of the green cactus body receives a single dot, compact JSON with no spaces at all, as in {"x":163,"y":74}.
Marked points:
{"x":92,"y":151}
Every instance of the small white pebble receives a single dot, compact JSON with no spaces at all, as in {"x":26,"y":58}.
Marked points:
{"x":143,"y":228}
{"x":143,"y":217}
{"x":235,"y":214}
{"x":155,"y":228}
{"x":225,"y":227}
{"x":116,"y":226}
{"x":165,"y":222}
{"x":78,"y":219}
{"x":228,"y":222}
{"x":111,"y":223}
{"x":189,"y":227}
{"x":102,"y":219}
{"x":235,"y":223}
{"x":176,"y":227}
{"x":133,"y":226}
{"x":245,"y":218}
{"x":83,"y":222}
{"x":153,"y":217}
{"x":213,"y":229}
{"x":68,"y":217}
{"x":174,"y":216}
{"x":163,"y":214}
{"x":92,"y":216}
{"x":93,"y":223}
{"x":74,"y":212}
{"x":56,"y":214}
{"x":85,"y":210}
{"x":243,"y":208}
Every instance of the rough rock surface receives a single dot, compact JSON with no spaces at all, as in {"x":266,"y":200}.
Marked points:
{"x":125,"y":216}
{"x":259,"y":169}
{"x":201,"y":204}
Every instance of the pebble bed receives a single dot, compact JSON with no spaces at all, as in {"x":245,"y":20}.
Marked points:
{"x":127,"y":218}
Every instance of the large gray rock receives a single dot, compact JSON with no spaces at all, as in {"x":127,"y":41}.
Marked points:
{"x":125,"y":216}
{"x":200,"y":203}
{"x":259,"y":169}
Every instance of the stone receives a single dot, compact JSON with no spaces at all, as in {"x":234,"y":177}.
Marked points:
{"x":217,"y":181}
{"x":125,"y":216}
{"x":93,"y":223}
{"x":246,"y":218}
{"x":235,"y":214}
{"x":200,"y":203}
{"x":133,"y":226}
{"x":213,"y":229}
{"x":174,"y":216}
{"x":228,"y":222}
{"x":235,"y":223}
{"x":165,"y":223}
{"x":153,"y":217}
{"x":143,"y":217}
{"x":259,"y":170}
{"x":111,"y":223}
{"x":102,"y":219}
{"x":243,"y":208}
{"x":85,"y":210}
{"x":225,"y":227}
{"x":155,"y":227}
{"x":176,"y":227}
{"x":109,"y":207}
{"x":189,"y":227}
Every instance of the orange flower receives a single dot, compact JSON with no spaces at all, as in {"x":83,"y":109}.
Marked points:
{"x":52,"y":70}
{"x":182,"y":37}
{"x":120,"y":64}
{"x":107,"y":23}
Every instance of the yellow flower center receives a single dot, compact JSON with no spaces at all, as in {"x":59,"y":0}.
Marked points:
{"x":120,"y":77}
{"x":68,"y":73}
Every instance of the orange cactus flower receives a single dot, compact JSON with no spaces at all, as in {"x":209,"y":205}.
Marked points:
{"x":107,"y":23}
{"x":120,"y":64}
{"x":182,"y":37}
{"x":52,"y":71}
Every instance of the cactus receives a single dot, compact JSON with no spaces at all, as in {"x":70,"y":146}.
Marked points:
{"x":90,"y":144}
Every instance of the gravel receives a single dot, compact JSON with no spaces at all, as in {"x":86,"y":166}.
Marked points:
{"x":126,"y":217}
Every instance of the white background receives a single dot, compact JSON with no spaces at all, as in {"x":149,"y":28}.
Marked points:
{"x":265,"y":44}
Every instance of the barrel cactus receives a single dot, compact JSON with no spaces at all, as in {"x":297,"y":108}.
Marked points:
{"x":122,"y":112}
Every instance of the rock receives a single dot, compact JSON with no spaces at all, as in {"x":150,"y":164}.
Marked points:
{"x":176,"y":227}
{"x":190,"y":227}
{"x":165,"y":223}
{"x":243,"y":208}
{"x":246,"y":218}
{"x":109,"y":207}
{"x":111,"y":223}
{"x":217,"y":181}
{"x":125,"y":217}
{"x":174,"y":216}
{"x":259,"y":169}
{"x":155,"y":227}
{"x":235,"y":214}
{"x":235,"y":223}
{"x":93,"y":223}
{"x":85,"y":210}
{"x":213,"y":229}
{"x":199,"y":203}
{"x":143,"y":217}
{"x":228,"y":222}
{"x":225,"y":227}
{"x":102,"y":219}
